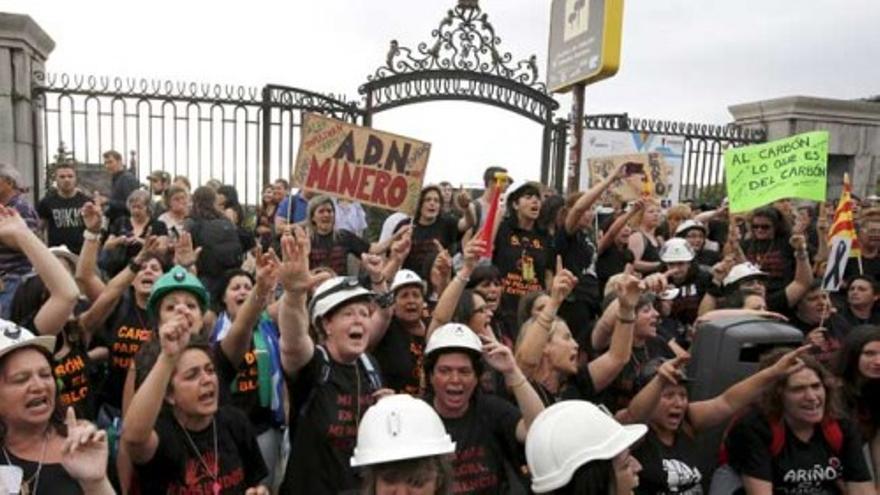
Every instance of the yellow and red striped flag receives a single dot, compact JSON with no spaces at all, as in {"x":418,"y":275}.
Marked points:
{"x":843,"y":242}
{"x":844,"y":223}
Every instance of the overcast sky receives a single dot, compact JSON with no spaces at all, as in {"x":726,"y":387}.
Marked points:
{"x":682,"y":60}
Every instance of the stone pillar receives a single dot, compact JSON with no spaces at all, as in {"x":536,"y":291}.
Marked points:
{"x":24,"y":48}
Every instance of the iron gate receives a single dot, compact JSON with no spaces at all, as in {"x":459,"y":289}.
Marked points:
{"x":244,"y":136}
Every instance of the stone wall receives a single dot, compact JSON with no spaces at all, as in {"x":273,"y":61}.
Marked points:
{"x":853,"y":126}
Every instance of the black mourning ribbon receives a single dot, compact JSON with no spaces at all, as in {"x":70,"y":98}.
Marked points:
{"x":834,"y":274}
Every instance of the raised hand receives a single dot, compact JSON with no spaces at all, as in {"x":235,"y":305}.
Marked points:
{"x":401,"y":245}
{"x":499,"y":357}
{"x":563,"y":283}
{"x":791,"y":362}
{"x":184,"y":254}
{"x":85,"y":451}
{"x":294,"y":269}
{"x":11,"y":226}
{"x":174,"y":336}
{"x":463,"y":198}
{"x":629,"y":288}
{"x":150,"y":248}
{"x":655,"y":282}
{"x":672,"y":370}
{"x":267,"y":271}
{"x":722,"y":268}
{"x":92,"y":217}
{"x":372,"y":264}
{"x":473,"y":251}
{"x":798,"y":242}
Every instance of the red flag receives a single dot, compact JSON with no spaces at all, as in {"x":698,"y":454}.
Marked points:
{"x":844,"y":223}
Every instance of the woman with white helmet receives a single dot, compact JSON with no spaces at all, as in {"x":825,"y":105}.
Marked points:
{"x":575,"y":448}
{"x":403,"y":447}
{"x":692,"y":282}
{"x":728,"y":277}
{"x":400,"y":351}
{"x":695,"y":233}
{"x":487,"y":430}
{"x":330,"y":385}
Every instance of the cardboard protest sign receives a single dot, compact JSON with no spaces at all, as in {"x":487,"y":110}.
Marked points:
{"x":631,"y":186}
{"x":360,"y":164}
{"x":793,"y":167}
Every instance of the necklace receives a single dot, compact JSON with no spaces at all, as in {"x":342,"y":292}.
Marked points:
{"x":25,"y":484}
{"x":215,"y":473}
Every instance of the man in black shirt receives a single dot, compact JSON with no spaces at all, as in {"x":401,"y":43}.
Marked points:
{"x":60,"y":209}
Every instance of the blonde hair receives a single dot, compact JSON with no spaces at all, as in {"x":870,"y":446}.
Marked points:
{"x":636,"y":221}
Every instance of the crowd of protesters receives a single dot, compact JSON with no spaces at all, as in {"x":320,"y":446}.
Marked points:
{"x":164,"y":340}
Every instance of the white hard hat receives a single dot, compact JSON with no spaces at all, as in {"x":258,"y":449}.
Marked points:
{"x":333,"y":293}
{"x":683,"y":227}
{"x":676,"y":250}
{"x":13,"y":337}
{"x":407,"y":277}
{"x":400,"y":427}
{"x":569,"y":434}
{"x":453,"y":335}
{"x":743,"y":271}
{"x":516,"y":186}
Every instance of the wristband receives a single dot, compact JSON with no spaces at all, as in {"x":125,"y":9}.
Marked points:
{"x":88,"y":235}
{"x":518,"y":384}
{"x":626,"y":320}
{"x":462,"y":278}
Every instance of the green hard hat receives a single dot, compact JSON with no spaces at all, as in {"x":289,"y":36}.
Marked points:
{"x":178,"y":278}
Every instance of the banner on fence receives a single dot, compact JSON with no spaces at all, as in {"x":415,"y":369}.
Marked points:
{"x":631,"y":186}
{"x":603,"y":143}
{"x":794,"y":167}
{"x":360,"y":164}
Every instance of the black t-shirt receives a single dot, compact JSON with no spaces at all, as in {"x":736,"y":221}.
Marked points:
{"x":485,"y":438}
{"x":611,"y":262}
{"x":176,"y":467}
{"x":626,"y":385}
{"x":324,"y":415}
{"x":801,"y":467}
{"x":690,"y":293}
{"x":332,"y":250}
{"x":707,"y":257}
{"x":241,"y":387}
{"x":676,"y":469}
{"x":127,"y":329}
{"x":444,"y":229}
{"x":400,"y":355}
{"x":651,"y":253}
{"x":579,"y":257}
{"x":775,"y":257}
{"x":523,"y":258}
{"x":73,"y":372}
{"x":579,"y":387}
{"x":64,"y":223}
{"x":54,"y":479}
{"x":870,"y":266}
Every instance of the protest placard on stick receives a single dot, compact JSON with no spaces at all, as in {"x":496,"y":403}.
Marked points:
{"x":360,"y":164}
{"x":794,"y":167}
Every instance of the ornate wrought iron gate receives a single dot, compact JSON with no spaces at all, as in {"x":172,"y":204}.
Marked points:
{"x":463,"y":62}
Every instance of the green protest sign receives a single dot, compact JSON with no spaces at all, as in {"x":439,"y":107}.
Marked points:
{"x":793,"y":167}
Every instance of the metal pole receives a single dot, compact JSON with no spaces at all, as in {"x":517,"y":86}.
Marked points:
{"x":577,"y":119}
{"x":267,"y":137}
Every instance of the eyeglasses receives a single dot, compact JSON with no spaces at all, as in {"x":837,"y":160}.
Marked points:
{"x":761,"y":226}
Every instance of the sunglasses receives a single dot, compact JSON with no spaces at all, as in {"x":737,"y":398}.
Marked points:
{"x":761,"y":226}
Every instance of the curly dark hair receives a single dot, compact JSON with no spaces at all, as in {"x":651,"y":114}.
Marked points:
{"x":772,"y":399}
